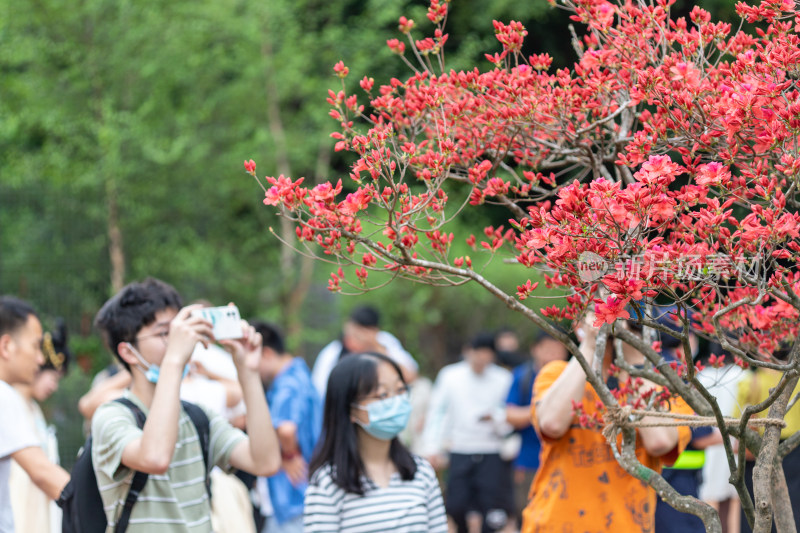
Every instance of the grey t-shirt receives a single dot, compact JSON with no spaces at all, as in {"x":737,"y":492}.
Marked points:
{"x":16,"y":433}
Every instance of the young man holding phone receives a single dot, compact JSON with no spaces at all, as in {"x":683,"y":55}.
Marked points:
{"x":153,"y":337}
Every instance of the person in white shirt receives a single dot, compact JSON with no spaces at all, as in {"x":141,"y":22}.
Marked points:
{"x":361,"y":333}
{"x":467,"y":419}
{"x":34,"y":512}
{"x":20,"y":358}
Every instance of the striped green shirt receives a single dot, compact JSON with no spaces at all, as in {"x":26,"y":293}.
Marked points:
{"x":173,"y":502}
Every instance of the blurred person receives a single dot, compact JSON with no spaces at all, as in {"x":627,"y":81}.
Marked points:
{"x":506,"y":339}
{"x":153,"y":337}
{"x":231,"y":506}
{"x":420,"y":397}
{"x":686,"y":474}
{"x":33,"y":511}
{"x":715,"y":489}
{"x":466,"y":428}
{"x":361,"y":333}
{"x":107,"y":385}
{"x":754,"y":388}
{"x":21,"y":357}
{"x":518,"y":412}
{"x":220,"y":393}
{"x":362,"y":478}
{"x":296,"y":413}
{"x":580,"y":486}
{"x":507,"y":346}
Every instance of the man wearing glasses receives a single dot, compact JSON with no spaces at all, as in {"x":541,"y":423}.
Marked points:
{"x":153,"y":337}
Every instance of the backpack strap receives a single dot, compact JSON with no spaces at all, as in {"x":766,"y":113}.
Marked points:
{"x":202,"y":425}
{"x":139,"y":478}
{"x":137,"y":484}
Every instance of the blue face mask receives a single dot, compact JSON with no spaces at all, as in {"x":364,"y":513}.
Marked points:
{"x":151,"y":371}
{"x":387,"y":417}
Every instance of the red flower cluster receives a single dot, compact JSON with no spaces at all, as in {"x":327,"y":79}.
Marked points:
{"x":666,"y":157}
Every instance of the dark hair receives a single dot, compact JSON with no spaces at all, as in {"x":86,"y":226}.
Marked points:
{"x":543,"y":336}
{"x":366,"y":316}
{"x":353,"y":377}
{"x":483,"y":339}
{"x":783,"y":350}
{"x":134,"y":307}
{"x":664,"y":315}
{"x":14,"y":314}
{"x":505,"y":330}
{"x":271,"y":336}
{"x":57,"y":355}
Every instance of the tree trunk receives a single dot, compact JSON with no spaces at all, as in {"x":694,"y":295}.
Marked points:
{"x":108,"y":148}
{"x":764,"y":471}
{"x":781,"y":505}
{"x":115,"y":250}
{"x":294,"y":292}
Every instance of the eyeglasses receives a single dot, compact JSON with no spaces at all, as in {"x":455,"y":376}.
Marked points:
{"x":163,"y":335}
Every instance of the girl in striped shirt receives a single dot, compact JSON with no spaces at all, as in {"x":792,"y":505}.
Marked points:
{"x":363,"y":479}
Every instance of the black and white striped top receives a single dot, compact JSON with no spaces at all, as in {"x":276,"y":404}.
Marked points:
{"x":413,"y":506}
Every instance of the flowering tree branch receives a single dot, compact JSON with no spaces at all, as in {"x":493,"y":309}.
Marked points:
{"x":662,"y":168}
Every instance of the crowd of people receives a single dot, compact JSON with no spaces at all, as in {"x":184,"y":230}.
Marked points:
{"x":194,"y":434}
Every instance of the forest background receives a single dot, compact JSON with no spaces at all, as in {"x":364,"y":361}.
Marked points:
{"x":123,"y":127}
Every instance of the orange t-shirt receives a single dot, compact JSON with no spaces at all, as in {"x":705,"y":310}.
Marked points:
{"x":580,"y":487}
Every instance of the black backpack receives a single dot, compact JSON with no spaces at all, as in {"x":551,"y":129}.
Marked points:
{"x":80,"y":500}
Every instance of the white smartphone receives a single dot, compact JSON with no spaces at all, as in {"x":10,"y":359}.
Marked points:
{"x":225,"y":321}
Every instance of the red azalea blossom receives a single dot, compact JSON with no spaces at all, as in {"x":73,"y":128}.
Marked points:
{"x":610,"y":310}
{"x":341,"y":70}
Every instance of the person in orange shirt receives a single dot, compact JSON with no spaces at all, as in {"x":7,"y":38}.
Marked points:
{"x":580,"y":487}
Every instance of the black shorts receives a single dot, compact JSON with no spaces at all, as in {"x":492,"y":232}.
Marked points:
{"x":482,"y":483}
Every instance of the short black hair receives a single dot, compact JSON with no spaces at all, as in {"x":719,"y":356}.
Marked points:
{"x":352,"y":378}
{"x":14,"y":314}
{"x":483,"y":339}
{"x":366,"y":316}
{"x":271,"y":336}
{"x":783,"y":350}
{"x":134,"y":307}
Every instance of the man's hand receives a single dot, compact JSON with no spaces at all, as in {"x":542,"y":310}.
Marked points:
{"x":587,"y":331}
{"x":185,"y":331}
{"x":296,"y":469}
{"x":438,"y":461}
{"x":246,"y":352}
{"x":260,"y":453}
